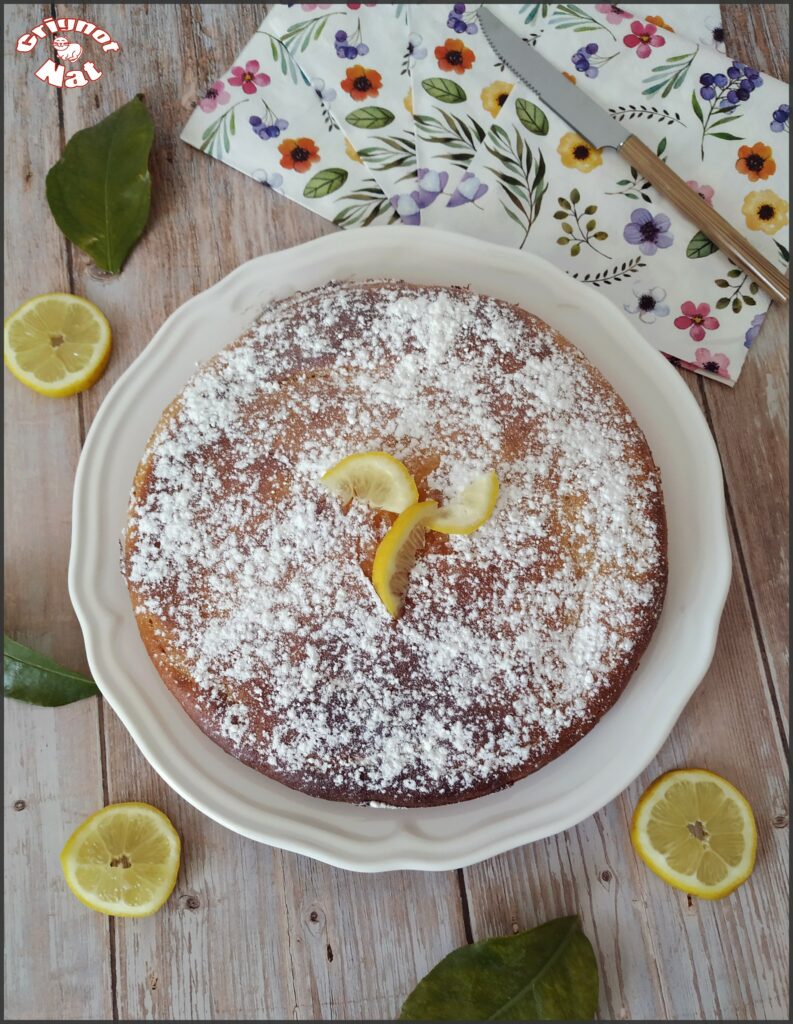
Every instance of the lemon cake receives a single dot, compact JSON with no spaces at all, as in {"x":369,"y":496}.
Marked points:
{"x":252,"y":585}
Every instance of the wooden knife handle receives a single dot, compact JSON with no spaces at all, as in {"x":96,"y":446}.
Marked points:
{"x":731,"y":242}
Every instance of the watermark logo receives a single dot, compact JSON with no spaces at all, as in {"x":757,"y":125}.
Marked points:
{"x":70,"y":51}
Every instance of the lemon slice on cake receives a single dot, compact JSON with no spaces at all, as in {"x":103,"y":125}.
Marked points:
{"x":123,"y":860}
{"x":374,"y":477}
{"x":57,"y":344}
{"x":396,"y":554}
{"x":697,"y":831}
{"x":470,"y":509}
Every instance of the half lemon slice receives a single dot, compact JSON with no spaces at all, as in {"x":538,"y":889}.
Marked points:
{"x":470,"y":509}
{"x":123,"y":860}
{"x":374,"y":477}
{"x":697,"y":831}
{"x":57,"y":344}
{"x":396,"y":554}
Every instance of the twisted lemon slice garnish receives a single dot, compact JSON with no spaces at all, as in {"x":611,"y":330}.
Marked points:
{"x":374,"y":477}
{"x":396,"y":554}
{"x":470,"y":509}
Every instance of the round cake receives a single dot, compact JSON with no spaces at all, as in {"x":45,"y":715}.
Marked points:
{"x":251,"y":584}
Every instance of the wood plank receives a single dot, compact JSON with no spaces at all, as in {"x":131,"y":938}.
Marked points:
{"x":185,"y":962}
{"x":56,"y":950}
{"x":659,"y":957}
{"x":751,"y":425}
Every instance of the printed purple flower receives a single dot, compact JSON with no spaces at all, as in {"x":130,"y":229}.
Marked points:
{"x":270,"y":179}
{"x":780,"y":119}
{"x":407,"y":206}
{"x":754,"y":330}
{"x":215,"y":94}
{"x":649,"y":304}
{"x":431,"y":185}
{"x":648,"y":232}
{"x":325,"y":94}
{"x":415,"y":50}
{"x":469,"y":190}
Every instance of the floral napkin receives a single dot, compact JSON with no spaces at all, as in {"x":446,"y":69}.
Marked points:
{"x":378,"y":113}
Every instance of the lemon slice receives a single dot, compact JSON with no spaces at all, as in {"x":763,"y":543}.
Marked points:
{"x":396,"y":554}
{"x":472,"y":507}
{"x":57,"y":344}
{"x":695,"y":830}
{"x":123,"y":860}
{"x":376,"y":478}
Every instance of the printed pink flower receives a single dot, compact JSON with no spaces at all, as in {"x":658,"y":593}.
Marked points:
{"x":248,"y":77}
{"x":643,"y":37}
{"x":215,"y":94}
{"x":314,"y":7}
{"x":714,"y":362}
{"x":614,"y":14}
{"x":703,"y":191}
{"x":695,"y":320}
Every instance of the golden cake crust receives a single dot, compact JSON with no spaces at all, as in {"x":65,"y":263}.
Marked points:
{"x":250,"y":584}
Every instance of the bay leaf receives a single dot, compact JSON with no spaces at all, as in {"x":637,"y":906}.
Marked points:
{"x":99,"y":192}
{"x":548,"y":973}
{"x":37,"y":679}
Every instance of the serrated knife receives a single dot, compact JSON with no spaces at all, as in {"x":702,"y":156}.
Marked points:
{"x":573,"y":105}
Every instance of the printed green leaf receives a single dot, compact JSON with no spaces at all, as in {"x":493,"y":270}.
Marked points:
{"x":325,"y":182}
{"x":548,"y":973}
{"x":697,"y":107}
{"x":699,"y":246}
{"x":784,"y":253}
{"x":722,"y":303}
{"x":99,"y":191}
{"x":531,"y":117}
{"x":726,"y":136}
{"x":444,"y":89}
{"x":370,"y":118}
{"x":36,"y":679}
{"x":575,"y":196}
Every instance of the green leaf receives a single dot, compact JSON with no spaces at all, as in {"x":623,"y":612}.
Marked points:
{"x":699,"y":246}
{"x":737,"y":305}
{"x":591,"y":225}
{"x":444,"y":89}
{"x":723,"y":302}
{"x":36,"y":679}
{"x":697,"y":107}
{"x":561,"y":215}
{"x":531,"y":117}
{"x":575,"y":196}
{"x":601,"y":235}
{"x":590,"y":210}
{"x":325,"y":182}
{"x":576,"y":249}
{"x":754,"y":287}
{"x":548,"y":973}
{"x":567,"y":227}
{"x":369,"y":118}
{"x":563,"y":240}
{"x":749,"y":300}
{"x":563,"y":203}
{"x":735,"y":272}
{"x":99,"y":191}
{"x":661,"y":147}
{"x":726,"y":136}
{"x":722,"y":282}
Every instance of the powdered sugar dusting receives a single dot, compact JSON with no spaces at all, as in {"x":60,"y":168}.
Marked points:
{"x":253,"y":580}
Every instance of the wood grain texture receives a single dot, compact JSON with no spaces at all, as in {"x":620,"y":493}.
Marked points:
{"x":251,"y":932}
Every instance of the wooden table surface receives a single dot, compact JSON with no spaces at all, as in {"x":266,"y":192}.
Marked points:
{"x":251,"y":932}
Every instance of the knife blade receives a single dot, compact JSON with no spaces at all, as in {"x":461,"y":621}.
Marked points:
{"x":577,"y":108}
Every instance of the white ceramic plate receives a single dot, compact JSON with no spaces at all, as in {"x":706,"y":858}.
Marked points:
{"x":370,"y":839}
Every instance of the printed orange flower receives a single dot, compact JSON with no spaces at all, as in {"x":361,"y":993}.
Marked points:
{"x":298,"y":154}
{"x":454,"y":56}
{"x":765,"y":211}
{"x":361,"y":82}
{"x":569,"y":77}
{"x":656,"y":19}
{"x":755,"y":161}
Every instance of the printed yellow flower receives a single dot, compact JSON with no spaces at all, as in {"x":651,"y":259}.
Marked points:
{"x":578,"y":153}
{"x":408,"y":101}
{"x":494,"y":97}
{"x":765,"y":211}
{"x":351,"y":152}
